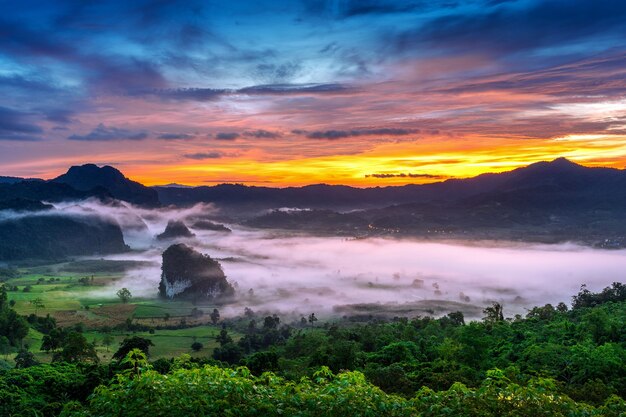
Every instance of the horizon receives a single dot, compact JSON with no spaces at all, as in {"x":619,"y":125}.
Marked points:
{"x":361,"y":93}
{"x":213,"y":184}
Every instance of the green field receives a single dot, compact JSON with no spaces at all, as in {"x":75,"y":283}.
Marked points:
{"x":71,"y":302}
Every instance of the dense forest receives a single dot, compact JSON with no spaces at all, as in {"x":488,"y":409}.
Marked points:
{"x":555,"y":361}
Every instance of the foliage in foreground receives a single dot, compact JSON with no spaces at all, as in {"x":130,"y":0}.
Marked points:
{"x":214,"y":391}
{"x":554,"y":362}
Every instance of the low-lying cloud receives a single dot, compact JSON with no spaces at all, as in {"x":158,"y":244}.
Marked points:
{"x":298,"y":274}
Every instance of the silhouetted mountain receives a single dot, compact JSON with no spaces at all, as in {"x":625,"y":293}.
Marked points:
{"x":545,"y":202}
{"x":10,"y":180}
{"x":90,"y":176}
{"x":558,"y":181}
{"x":252,"y":198}
{"x":23,"y":204}
{"x":58,"y":237}
{"x":311,"y":220}
{"x":48,"y":191}
{"x":175,"y":229}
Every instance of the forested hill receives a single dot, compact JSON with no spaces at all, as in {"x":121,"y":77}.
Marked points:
{"x":555,"y":361}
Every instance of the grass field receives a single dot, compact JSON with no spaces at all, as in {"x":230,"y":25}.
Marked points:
{"x":70,"y":301}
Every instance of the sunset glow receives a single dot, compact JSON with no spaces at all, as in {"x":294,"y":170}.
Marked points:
{"x":358,"y":93}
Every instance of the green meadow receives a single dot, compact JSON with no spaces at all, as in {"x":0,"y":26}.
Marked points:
{"x":81,"y":299}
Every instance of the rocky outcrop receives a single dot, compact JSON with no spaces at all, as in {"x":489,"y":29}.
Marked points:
{"x":175,"y":229}
{"x":209,"y":225}
{"x":189,"y":274}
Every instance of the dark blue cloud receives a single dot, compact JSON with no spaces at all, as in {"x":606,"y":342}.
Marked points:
{"x":61,"y":116}
{"x":60,"y":58}
{"x":204,"y":155}
{"x":15,"y":125}
{"x":339,"y":134}
{"x":227,"y":136}
{"x":279,"y":89}
{"x":104,"y":133}
{"x":512,"y":27}
{"x":175,"y":136}
{"x":210,"y":94}
{"x":262,"y":134}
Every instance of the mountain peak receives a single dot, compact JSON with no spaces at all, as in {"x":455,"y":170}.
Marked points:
{"x":556,"y":165}
{"x":93,"y":169}
{"x":89,"y":176}
{"x":563,"y":162}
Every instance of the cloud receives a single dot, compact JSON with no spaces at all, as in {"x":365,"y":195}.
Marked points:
{"x":262,"y":134}
{"x":510,"y":28}
{"x":196,"y":94}
{"x":275,"y":72}
{"x":339,"y":134}
{"x":204,"y":155}
{"x":281,"y":89}
{"x":352,"y":8}
{"x":405,"y":175}
{"x":15,"y":126}
{"x":227,"y":135}
{"x":210,"y":94}
{"x":175,"y":136}
{"x":104,"y":133}
{"x":62,"y":116}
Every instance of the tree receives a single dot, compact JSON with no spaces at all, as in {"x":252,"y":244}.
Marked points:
{"x":13,"y":326}
{"x":493,"y":313}
{"x":312,"y":319}
{"x":124,"y":295}
{"x":271,"y":322}
{"x":76,"y":348}
{"x":131,"y":343}
{"x":107,"y":340}
{"x":25,"y":359}
{"x":215,"y":316}
{"x":223,"y":338}
{"x":5,"y":346}
{"x":456,"y":318}
{"x":196,"y":346}
{"x":166,"y":316}
{"x":53,"y":340}
{"x":37,"y":303}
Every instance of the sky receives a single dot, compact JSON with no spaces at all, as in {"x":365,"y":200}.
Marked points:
{"x":281,"y":93}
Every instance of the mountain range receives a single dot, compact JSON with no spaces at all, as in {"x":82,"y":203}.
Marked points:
{"x":556,"y":183}
{"x":546,"y":202}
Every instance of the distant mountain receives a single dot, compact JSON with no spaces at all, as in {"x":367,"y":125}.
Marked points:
{"x":174,"y":185}
{"x":10,"y":180}
{"x":90,"y":176}
{"x":244,"y":198}
{"x":544,"y":178}
{"x":38,"y":190}
{"x":22,"y":204}
{"x":544,"y":202}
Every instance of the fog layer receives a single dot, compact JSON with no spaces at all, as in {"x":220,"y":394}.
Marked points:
{"x":286,"y":273}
